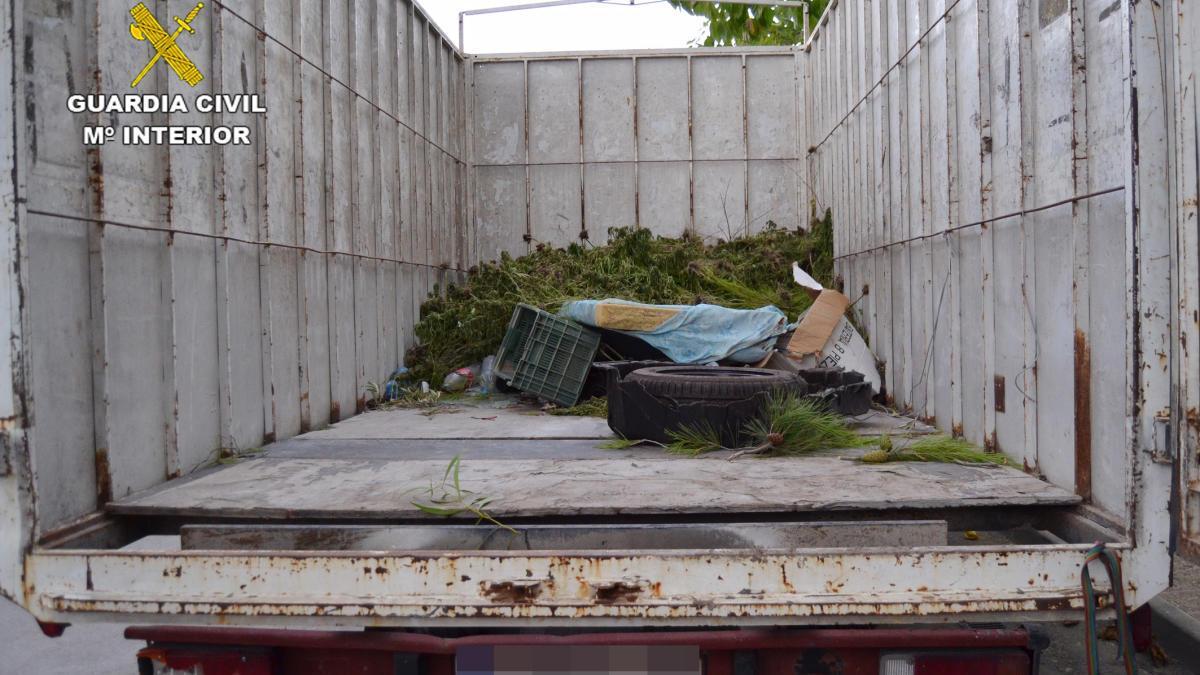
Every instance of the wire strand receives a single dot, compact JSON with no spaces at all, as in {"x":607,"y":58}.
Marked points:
{"x":231,"y":239}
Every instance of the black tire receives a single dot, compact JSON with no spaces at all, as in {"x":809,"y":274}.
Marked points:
{"x":707,"y":383}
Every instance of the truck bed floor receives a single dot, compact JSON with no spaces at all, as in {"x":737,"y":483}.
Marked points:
{"x":371,"y":467}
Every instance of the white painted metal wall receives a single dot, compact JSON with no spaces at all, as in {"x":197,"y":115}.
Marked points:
{"x":937,"y":124}
{"x":1013,"y":192}
{"x":569,"y":145}
{"x":184,"y":299}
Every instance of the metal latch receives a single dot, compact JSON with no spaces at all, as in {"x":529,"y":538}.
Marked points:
{"x":1164,"y":443}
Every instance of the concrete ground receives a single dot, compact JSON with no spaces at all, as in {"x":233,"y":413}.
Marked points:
{"x":100,"y":649}
{"x":94,"y":649}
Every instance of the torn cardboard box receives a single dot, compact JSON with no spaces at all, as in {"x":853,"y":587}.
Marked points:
{"x":825,"y":338}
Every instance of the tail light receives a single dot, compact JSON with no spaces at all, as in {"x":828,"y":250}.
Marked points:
{"x":990,"y":662}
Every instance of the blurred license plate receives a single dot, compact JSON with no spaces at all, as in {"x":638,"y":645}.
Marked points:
{"x":577,"y":659}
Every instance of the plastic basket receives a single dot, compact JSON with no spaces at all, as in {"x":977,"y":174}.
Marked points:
{"x":515,"y":337}
{"x":557,"y":356}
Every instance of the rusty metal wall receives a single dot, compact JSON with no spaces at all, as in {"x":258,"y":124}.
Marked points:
{"x":1181,"y":21}
{"x":184,"y":299}
{"x":1014,"y":198}
{"x":699,"y":140}
{"x":974,"y":155}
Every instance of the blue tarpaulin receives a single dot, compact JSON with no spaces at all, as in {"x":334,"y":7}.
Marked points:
{"x":699,"y":333}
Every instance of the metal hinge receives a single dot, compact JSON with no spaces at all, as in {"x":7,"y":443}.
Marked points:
{"x":1163,"y":451}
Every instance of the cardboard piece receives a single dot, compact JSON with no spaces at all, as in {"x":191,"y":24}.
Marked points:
{"x":818,"y":324}
{"x":826,"y":339}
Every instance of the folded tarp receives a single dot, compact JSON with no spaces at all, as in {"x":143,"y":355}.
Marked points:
{"x":687,"y":333}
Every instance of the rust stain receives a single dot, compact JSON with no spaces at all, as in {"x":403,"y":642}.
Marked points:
{"x":511,"y":592}
{"x":103,"y":476}
{"x":1083,"y":416}
{"x":957,"y":430}
{"x":335,"y":412}
{"x":999,"y":389}
{"x":617,"y":592}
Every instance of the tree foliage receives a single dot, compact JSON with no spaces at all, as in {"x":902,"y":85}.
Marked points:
{"x":730,"y":24}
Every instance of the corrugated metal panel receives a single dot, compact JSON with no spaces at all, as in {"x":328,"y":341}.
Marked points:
{"x":699,"y":140}
{"x":1003,"y":245}
{"x":295,"y":266}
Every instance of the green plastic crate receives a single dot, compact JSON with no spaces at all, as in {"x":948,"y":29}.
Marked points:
{"x":556,"y":359}
{"x":515,"y":338}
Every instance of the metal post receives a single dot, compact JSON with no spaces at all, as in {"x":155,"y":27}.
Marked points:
{"x":803,"y":41}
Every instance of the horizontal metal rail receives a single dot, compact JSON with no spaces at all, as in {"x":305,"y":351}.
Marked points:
{"x":232,"y":239}
{"x":986,"y":221}
{"x":685,"y":160}
{"x":562,"y":587}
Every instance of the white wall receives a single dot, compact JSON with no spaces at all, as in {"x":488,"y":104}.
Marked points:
{"x":296,"y":265}
{"x":696,"y":140}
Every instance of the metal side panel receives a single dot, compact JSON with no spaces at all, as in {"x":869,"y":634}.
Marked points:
{"x":1035,"y":255}
{"x":167,"y":303}
{"x":16,"y":486}
{"x":1187,"y":177}
{"x":711,"y":587}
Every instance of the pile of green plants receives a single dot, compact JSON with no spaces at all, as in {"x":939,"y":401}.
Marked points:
{"x":465,"y":322}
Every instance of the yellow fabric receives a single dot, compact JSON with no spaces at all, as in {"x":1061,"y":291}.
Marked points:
{"x":631,"y":317}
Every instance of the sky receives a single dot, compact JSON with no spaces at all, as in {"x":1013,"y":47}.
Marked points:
{"x":585,"y":27}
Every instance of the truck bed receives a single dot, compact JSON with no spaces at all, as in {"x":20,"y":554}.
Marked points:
{"x":538,"y":466}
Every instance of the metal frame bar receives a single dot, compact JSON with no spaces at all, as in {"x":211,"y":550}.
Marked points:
{"x":630,"y":3}
{"x":577,"y":588}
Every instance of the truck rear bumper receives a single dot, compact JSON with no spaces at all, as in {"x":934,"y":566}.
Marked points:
{"x":722,"y":652}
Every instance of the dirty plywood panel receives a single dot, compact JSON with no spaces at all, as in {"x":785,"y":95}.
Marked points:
{"x":338,"y":187}
{"x":1106,"y":252}
{"x":555,"y":209}
{"x":609,"y":146}
{"x":312,"y":196}
{"x":278,"y":215}
{"x":192,"y":207}
{"x":664,"y":145}
{"x":61,"y":279}
{"x":663,"y":139}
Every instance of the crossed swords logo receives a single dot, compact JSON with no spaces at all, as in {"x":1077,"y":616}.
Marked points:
{"x":146,"y":27}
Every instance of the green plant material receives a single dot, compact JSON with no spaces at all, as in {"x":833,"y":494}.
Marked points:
{"x":729,"y":25}
{"x":791,"y":425}
{"x":235,"y":455}
{"x":694,"y":440}
{"x":374,"y":394}
{"x":593,"y":407}
{"x":621,"y":443}
{"x":467,"y":321}
{"x":937,"y":448}
{"x":448,"y":498}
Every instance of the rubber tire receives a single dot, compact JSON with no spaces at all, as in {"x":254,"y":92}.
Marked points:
{"x":707,"y":383}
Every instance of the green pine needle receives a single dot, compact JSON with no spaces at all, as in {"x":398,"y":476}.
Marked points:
{"x":593,"y":407}
{"x":694,"y":440}
{"x":937,"y":448}
{"x":791,"y":425}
